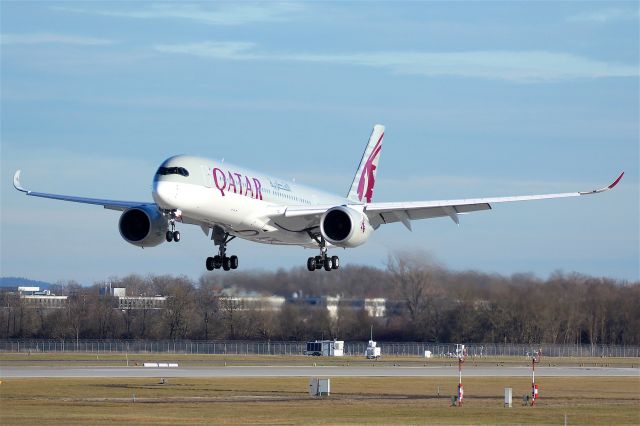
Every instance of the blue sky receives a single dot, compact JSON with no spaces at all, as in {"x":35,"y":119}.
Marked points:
{"x":479,"y":99}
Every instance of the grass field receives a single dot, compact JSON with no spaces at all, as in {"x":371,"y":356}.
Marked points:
{"x":583,"y":400}
{"x":374,"y":400}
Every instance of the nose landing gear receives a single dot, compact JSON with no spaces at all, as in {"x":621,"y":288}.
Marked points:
{"x":172,"y":234}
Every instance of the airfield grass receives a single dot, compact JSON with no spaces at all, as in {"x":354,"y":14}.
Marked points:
{"x":194,"y":360}
{"x":285,"y":400}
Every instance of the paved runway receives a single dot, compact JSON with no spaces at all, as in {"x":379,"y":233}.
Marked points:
{"x":298,"y":371}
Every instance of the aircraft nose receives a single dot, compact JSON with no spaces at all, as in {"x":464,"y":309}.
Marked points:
{"x":165,"y":194}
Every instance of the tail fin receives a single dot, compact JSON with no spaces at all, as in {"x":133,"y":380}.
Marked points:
{"x":365,"y":178}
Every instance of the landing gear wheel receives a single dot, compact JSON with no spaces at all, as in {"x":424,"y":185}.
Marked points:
{"x":169,"y":236}
{"x":220,"y":238}
{"x":335,"y":262}
{"x":327,"y":264}
{"x":311,"y":264}
{"x":176,"y":236}
{"x":323,"y":261}
{"x":210,"y":264}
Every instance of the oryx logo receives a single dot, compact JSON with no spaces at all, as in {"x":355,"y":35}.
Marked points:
{"x":362,"y":226}
{"x":368,"y":174}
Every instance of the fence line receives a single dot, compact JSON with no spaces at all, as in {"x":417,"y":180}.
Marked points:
{"x":297,"y":348}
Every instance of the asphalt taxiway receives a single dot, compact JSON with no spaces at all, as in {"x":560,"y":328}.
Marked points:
{"x":309,"y":371}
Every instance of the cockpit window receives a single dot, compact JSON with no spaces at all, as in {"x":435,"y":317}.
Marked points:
{"x":172,"y":171}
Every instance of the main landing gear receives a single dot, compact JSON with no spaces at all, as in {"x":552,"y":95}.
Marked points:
{"x":324,"y":260}
{"x":221,"y":238}
{"x":172,"y":234}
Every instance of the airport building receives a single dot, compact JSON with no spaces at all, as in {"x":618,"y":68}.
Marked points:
{"x":125,"y":302}
{"x":41,"y":298}
{"x":256,"y":303}
{"x":375,"y":307}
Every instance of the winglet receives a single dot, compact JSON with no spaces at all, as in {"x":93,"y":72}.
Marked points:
{"x":616,"y":181}
{"x":16,"y":182}
{"x":606,"y":188}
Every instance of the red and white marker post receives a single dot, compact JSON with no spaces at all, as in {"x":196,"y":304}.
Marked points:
{"x":534,"y":387}
{"x":462,"y":354}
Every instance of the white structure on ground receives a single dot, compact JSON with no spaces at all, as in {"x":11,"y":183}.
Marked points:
{"x":372,"y":351}
{"x":325,"y":348}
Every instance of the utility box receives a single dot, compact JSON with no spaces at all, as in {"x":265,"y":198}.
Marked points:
{"x":427,"y":354}
{"x":508,"y":393}
{"x":319,"y":387}
{"x":325,"y":348}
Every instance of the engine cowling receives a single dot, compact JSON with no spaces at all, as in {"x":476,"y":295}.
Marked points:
{"x":345,"y":227}
{"x":143,"y":226}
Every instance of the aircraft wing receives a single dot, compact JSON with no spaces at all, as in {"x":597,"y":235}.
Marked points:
{"x":381,"y":213}
{"x":107,"y":204}
{"x":304,"y":218}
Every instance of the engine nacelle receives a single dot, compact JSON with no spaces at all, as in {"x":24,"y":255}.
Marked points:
{"x":345,"y":227}
{"x":143,"y":226}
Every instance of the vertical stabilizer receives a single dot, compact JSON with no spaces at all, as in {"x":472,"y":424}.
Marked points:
{"x":365,"y":178}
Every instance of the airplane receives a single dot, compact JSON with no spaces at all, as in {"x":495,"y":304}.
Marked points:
{"x":229,"y":201}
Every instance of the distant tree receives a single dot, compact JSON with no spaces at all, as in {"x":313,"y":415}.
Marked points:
{"x":179,"y":301}
{"x":12,"y":308}
{"x":412,"y":276}
{"x":229,"y":311}
{"x":425,"y":302}
{"x":292,"y":323}
{"x":266,"y":326}
{"x":208,"y":305}
{"x":353,"y":324}
{"x":77,"y":309}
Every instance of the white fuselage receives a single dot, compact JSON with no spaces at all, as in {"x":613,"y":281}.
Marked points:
{"x":238,"y":199}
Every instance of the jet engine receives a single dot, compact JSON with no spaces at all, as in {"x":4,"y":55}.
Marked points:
{"x":143,"y":226}
{"x":345,"y":227}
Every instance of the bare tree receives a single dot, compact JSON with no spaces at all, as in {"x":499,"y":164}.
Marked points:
{"x":77,"y":313}
{"x":228,"y":308}
{"x":207,"y":302}
{"x":179,"y":302}
{"x":413,"y":278}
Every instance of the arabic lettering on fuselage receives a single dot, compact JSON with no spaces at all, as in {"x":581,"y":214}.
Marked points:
{"x":237,"y":183}
{"x":279,"y":186}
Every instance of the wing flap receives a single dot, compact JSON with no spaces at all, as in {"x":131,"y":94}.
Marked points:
{"x":379,"y":215}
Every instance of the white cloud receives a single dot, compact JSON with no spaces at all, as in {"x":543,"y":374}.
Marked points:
{"x":522,"y":66}
{"x":218,"y":50}
{"x":209,"y":13}
{"x":603,"y":16}
{"x":49,"y":38}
